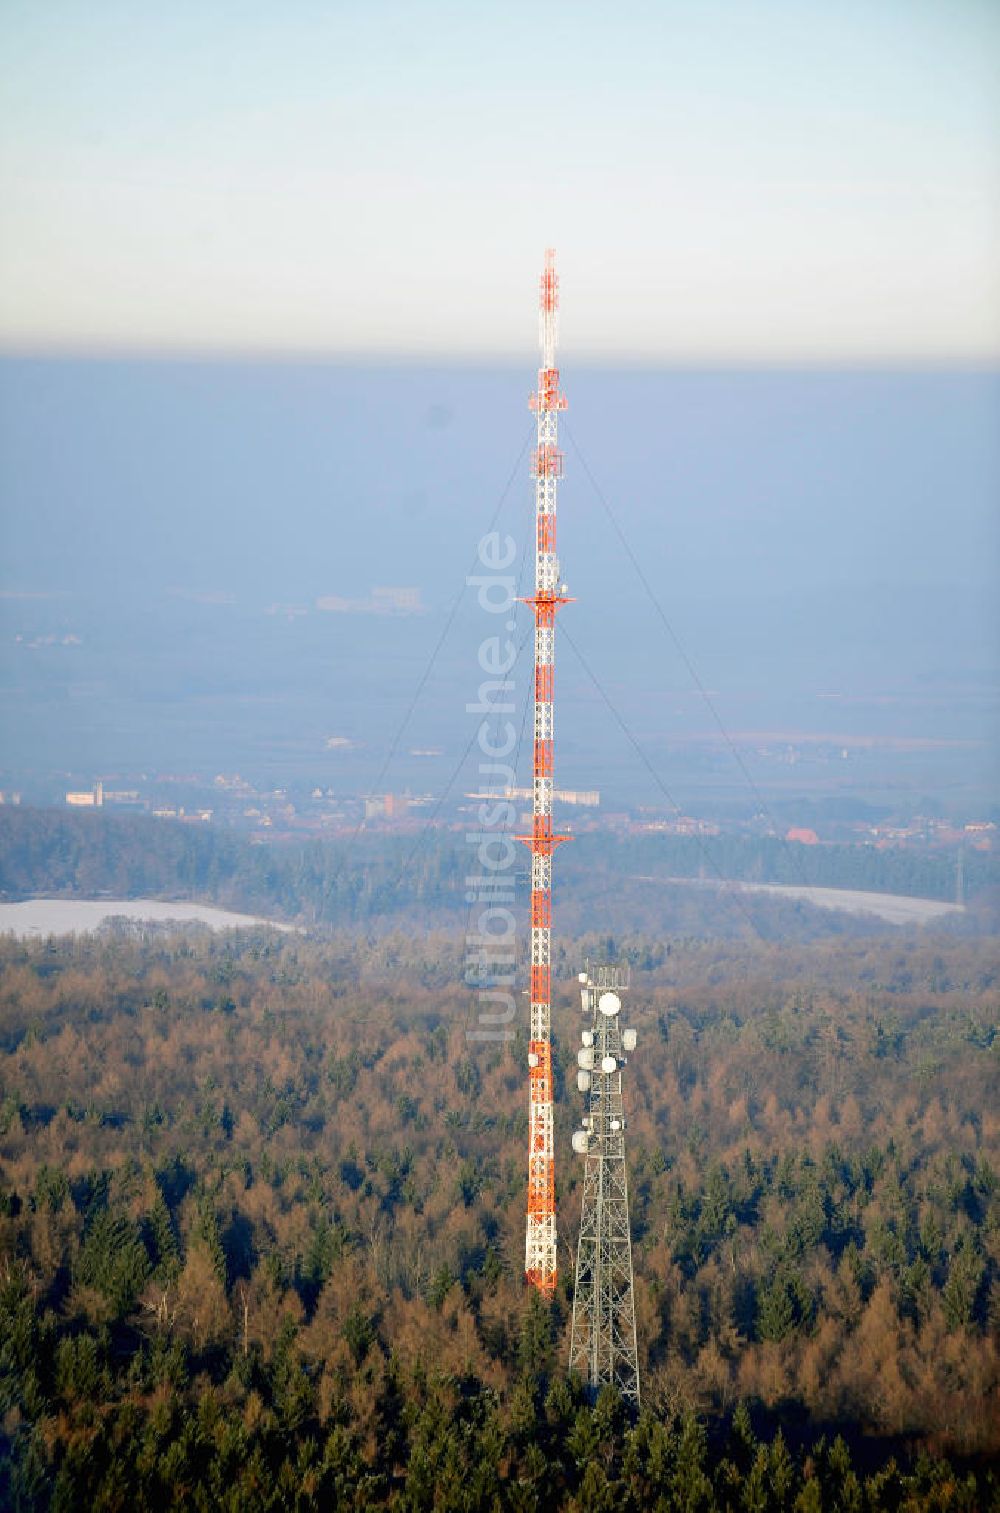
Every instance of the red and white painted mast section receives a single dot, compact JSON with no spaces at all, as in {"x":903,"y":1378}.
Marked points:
{"x":540,"y":1244}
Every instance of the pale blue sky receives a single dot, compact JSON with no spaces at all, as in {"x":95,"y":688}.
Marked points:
{"x":724,"y":180}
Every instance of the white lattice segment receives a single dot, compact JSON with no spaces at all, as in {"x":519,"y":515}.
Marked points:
{"x":540,"y":946}
{"x":540,"y":1021}
{"x":543,"y":797}
{"x":545,"y":1124}
{"x":545,"y":646}
{"x":545,"y":495}
{"x":541,"y":872}
{"x":540,"y":1247}
{"x":543,"y":722}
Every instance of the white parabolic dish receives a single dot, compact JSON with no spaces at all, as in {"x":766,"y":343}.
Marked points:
{"x":609,"y":1004}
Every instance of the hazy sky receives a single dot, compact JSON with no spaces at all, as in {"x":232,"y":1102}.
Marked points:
{"x":781,"y":179}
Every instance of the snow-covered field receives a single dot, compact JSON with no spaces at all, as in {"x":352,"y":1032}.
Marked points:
{"x":71,"y":916}
{"x":894,"y":907}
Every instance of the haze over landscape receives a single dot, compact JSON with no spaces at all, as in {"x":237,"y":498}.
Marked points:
{"x":193,"y":550}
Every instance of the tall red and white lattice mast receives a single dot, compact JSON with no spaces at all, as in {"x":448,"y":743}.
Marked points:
{"x":547,"y":466}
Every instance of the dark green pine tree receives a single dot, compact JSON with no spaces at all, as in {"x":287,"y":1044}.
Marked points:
{"x":163,"y":1241}
{"x":113,"y":1260}
{"x":960,"y":1291}
{"x":775,"y":1310}
{"x":206,"y":1230}
{"x":534,"y":1351}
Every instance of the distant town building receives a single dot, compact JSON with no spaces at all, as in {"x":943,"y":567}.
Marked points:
{"x":192,"y":817}
{"x":233,"y":783}
{"x":92,"y":798}
{"x":682,"y":824}
{"x":386,"y":806}
{"x":802,"y":835}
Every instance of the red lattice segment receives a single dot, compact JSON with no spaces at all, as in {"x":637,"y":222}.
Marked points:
{"x":543,"y":759}
{"x":546,"y":533}
{"x":546,"y":461}
{"x":547,"y":396}
{"x":541,"y":909}
{"x":541,"y":983}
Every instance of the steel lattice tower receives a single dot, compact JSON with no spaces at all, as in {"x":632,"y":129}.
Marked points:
{"x":547,"y":466}
{"x":602,"y":1344}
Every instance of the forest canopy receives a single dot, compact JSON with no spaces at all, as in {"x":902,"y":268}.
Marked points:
{"x":261,"y":1229}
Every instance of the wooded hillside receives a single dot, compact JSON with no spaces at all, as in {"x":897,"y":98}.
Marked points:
{"x":380,"y":879}
{"x":261,"y":1230}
